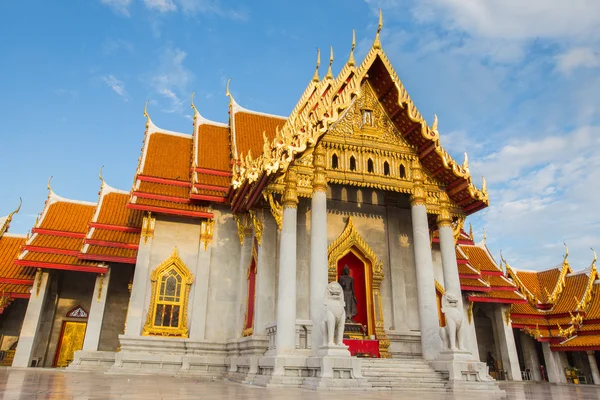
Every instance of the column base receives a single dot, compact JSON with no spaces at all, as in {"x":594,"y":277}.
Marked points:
{"x":456,"y":355}
{"x":333,"y":351}
{"x":467,"y":376}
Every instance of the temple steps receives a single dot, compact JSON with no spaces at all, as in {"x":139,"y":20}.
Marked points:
{"x":403,"y":374}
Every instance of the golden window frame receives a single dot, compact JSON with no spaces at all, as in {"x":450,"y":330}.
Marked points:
{"x":174,"y":262}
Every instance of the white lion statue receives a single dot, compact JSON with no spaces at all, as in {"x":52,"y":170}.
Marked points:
{"x":334,"y":315}
{"x":452,"y":333}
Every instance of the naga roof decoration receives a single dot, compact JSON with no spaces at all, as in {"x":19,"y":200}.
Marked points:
{"x":6,"y":220}
{"x":302,"y":131}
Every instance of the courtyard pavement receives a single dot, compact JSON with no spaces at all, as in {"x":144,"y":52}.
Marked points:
{"x":20,"y":384}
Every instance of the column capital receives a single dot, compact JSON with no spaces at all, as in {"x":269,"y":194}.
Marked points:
{"x":419,"y":195}
{"x":290,"y":196}
{"x":319,"y":183}
{"x":444,"y":218}
{"x":590,"y":352}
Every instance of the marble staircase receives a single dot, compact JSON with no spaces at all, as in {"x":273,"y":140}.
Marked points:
{"x":411,"y":374}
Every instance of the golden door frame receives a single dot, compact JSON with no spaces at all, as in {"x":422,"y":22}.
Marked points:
{"x":350,"y":241}
{"x":79,"y":335}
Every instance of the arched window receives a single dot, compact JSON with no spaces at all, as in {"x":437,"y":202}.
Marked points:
{"x":352,"y":163}
{"x":334,"y":161}
{"x":402,"y":171}
{"x":370,"y":167}
{"x":171,"y":283}
{"x":386,"y":168}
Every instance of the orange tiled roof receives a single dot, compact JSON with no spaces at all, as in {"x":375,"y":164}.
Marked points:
{"x":111,"y":251}
{"x":530,"y":321}
{"x":115,"y":236}
{"x":466,"y":269}
{"x":249,"y":128}
{"x":12,"y":288}
{"x":10,"y":247}
{"x":114,"y":211}
{"x":67,"y":216}
{"x":499,"y":281}
{"x":55,"y":242}
{"x":540,"y":284}
{"x":593,"y":310}
{"x":500,"y":294}
{"x":213,"y":147}
{"x":575,"y":287}
{"x":473,"y":283}
{"x":171,"y":205}
{"x":168,"y":156}
{"x":579,"y":341}
{"x":525,"y":309}
{"x":52,"y":258}
{"x":479,"y":258}
{"x":164,"y":189}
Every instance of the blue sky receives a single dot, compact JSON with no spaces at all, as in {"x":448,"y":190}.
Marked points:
{"x":515,"y":85}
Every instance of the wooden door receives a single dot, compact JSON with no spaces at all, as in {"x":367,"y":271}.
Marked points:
{"x":71,"y":340}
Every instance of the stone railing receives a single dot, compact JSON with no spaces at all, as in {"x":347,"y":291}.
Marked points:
{"x":303,"y":335}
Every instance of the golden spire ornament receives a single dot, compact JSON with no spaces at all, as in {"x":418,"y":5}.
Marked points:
{"x":377,"y":42}
{"x":316,"y":75}
{"x":329,"y":73}
{"x":351,"y":61}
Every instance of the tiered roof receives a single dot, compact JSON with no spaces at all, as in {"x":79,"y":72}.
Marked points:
{"x":563,"y":307}
{"x":114,"y":232}
{"x":481,"y":278}
{"x":15,"y":281}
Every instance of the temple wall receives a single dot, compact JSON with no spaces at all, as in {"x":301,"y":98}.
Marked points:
{"x":69,"y":290}
{"x":11,"y":321}
{"x":117,"y":301}
{"x":223,"y":278}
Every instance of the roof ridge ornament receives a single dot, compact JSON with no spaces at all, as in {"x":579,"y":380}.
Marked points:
{"x":316,"y":75}
{"x":471,"y":232}
{"x":329,"y":73}
{"x":192,"y":102}
{"x":434,"y":126}
{"x":377,"y":42}
{"x":595,"y":258}
{"x":465,"y":165}
{"x":351,"y":61}
{"x":566,"y":253}
{"x":49,"y":187}
{"x":228,"y":93}
{"x":146,"y":113}
{"x":101,"y":177}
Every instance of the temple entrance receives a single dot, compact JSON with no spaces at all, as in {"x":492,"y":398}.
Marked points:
{"x":355,"y":266}
{"x":71,"y":340}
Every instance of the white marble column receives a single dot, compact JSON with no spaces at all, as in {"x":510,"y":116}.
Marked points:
{"x":318,"y":247}
{"x":285,"y":340}
{"x":470,"y":333}
{"x":97,"y":307}
{"x":245,"y":260}
{"x":532,"y":361}
{"x":199,"y":301}
{"x":31,"y":322}
{"x":428,"y":315}
{"x":136,"y":312}
{"x":266,"y":272}
{"x":554,"y":368}
{"x":506,"y":342}
{"x":448,"y":251}
{"x":594,"y":367}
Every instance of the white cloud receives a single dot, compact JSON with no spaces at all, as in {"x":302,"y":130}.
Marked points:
{"x":116,"y":85}
{"x":112,"y":45}
{"x":576,"y":58}
{"x":118,"y":6}
{"x":161,"y":5}
{"x":172,"y":79}
{"x":210,"y":7}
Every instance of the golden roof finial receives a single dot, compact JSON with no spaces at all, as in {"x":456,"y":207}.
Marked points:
{"x":483,"y":184}
{"x":351,"y":61}
{"x":502,"y":257}
{"x":595,"y":257}
{"x":100,"y":176}
{"x":465,"y":165}
{"x":434,"y":127}
{"x":484,"y":235}
{"x":316,"y":75}
{"x":228,"y":93}
{"x":566,"y":252}
{"x":192,"y":103}
{"x":377,"y":42}
{"x":49,"y":187}
{"x":329,"y":73}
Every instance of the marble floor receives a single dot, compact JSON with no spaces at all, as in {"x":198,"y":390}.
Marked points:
{"x":61,"y":385}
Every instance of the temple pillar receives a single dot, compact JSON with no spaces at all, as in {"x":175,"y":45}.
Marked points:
{"x":594,"y":367}
{"x":285,"y":340}
{"x":97,"y":307}
{"x":31,"y":322}
{"x":198,"y":305}
{"x":530,"y":355}
{"x":266,"y":273}
{"x":245,"y":259}
{"x":318,"y":247}
{"x":554,"y":367}
{"x":428,"y":314}
{"x":448,"y":250}
{"x":141,"y":279}
{"x":506,"y":342}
